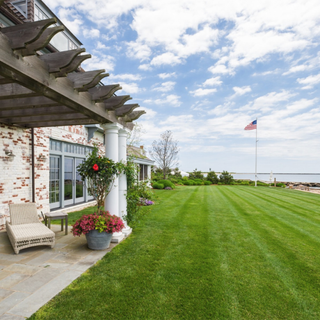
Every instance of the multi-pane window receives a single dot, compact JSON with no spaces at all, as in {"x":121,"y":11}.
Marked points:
{"x":22,"y":7}
{"x":39,"y":14}
{"x":54,"y":179}
{"x":143,"y":175}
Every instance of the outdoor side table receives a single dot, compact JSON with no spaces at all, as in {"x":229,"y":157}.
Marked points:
{"x":56,"y":216}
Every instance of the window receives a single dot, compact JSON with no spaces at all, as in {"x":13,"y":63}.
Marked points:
{"x":39,"y":14}
{"x":22,"y":7}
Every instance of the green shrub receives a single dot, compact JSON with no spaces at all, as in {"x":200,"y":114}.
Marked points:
{"x":207,"y":183}
{"x":220,"y":183}
{"x":262,"y":184}
{"x":281,"y":185}
{"x":199,"y":181}
{"x":158,"y":185}
{"x":167,"y":183}
{"x":212,"y":177}
{"x":186,"y":183}
{"x":180,"y":182}
{"x":191,"y":182}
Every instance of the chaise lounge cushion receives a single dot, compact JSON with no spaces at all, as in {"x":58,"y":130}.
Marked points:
{"x":25,"y":230}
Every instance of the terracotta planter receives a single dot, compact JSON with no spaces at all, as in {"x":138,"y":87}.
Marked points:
{"x":98,"y":240}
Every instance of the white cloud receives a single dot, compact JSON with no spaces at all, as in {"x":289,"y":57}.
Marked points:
{"x":166,"y":58}
{"x":165,"y":86}
{"x":100,"y":45}
{"x":91,"y":33}
{"x":71,"y":20}
{"x":130,"y":87}
{"x":266,"y":102}
{"x":240,"y":91}
{"x":136,"y":50}
{"x":170,"y":100}
{"x":99,"y":61}
{"x":166,"y":75}
{"x":126,"y":76}
{"x":215,"y":81}
{"x":310,"y":81}
{"x":145,"y":67}
{"x":202,"y":92}
{"x":221,"y":69}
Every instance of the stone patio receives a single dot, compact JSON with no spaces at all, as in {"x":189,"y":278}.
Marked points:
{"x":34,"y":276}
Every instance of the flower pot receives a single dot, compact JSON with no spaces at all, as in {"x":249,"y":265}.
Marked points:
{"x":98,"y":240}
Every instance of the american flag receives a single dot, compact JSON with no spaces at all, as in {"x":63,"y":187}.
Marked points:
{"x":251,"y":126}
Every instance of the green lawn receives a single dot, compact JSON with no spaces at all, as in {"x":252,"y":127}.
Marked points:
{"x":208,"y":252}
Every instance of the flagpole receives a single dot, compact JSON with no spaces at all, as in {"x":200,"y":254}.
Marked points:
{"x":255,"y":184}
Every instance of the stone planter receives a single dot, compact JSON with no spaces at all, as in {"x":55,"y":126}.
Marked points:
{"x":97,"y":240}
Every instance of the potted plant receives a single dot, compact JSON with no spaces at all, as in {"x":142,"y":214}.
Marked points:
{"x":98,"y":229}
{"x":98,"y":173}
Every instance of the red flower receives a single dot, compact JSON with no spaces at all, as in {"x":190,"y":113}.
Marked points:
{"x":95,"y":167}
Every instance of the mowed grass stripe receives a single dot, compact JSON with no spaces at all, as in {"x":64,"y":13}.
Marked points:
{"x":294,"y":273}
{"x":294,"y":197}
{"x":205,"y":252}
{"x":295,"y":219}
{"x":300,"y":208}
{"x":260,"y":284}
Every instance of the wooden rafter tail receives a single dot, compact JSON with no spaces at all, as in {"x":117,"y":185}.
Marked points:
{"x":96,"y":80}
{"x":26,"y":103}
{"x":23,"y":34}
{"x":72,"y":66}
{"x":42,"y":42}
{"x":82,"y":79}
{"x":114,"y":103}
{"x":126,"y":109}
{"x":103,"y":92}
{"x":58,"y":60}
{"x":134,"y":115}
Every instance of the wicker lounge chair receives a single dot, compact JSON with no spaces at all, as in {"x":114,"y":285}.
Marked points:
{"x":25,"y":230}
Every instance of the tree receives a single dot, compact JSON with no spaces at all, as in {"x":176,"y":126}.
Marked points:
{"x":134,"y":136}
{"x":212,"y":177}
{"x":196,"y":174}
{"x":165,"y":152}
{"x":226,"y":177}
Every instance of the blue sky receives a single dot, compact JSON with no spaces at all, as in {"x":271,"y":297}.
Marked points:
{"x":206,"y":69}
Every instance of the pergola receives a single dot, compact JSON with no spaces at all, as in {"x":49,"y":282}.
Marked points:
{"x":49,"y":90}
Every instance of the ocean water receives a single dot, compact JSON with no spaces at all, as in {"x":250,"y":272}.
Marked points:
{"x":280,"y":177}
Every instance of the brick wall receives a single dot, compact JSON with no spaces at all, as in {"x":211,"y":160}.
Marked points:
{"x":15,"y":176}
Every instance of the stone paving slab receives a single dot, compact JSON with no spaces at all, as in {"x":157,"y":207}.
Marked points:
{"x":35,"y":301}
{"x":9,"y":302}
{"x":34,"y":276}
{"x":11,"y":317}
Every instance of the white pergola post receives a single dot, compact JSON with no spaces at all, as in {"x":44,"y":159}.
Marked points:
{"x":123,"y":133}
{"x":112,"y":152}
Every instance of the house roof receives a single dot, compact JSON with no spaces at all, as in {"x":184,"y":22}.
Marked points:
{"x":44,"y":90}
{"x":138,"y":154}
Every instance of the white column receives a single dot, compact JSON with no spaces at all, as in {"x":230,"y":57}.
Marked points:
{"x":112,"y":152}
{"x":123,"y":133}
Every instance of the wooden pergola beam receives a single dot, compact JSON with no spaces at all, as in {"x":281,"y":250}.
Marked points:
{"x":25,"y":103}
{"x":126,"y":109}
{"x":32,"y":73}
{"x":72,"y":66}
{"x":115,"y":102}
{"x":23,"y":34}
{"x":14,"y":90}
{"x":23,"y":112}
{"x":43,"y":41}
{"x":59,"y":60}
{"x":72,"y":122}
{"x":103,"y":92}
